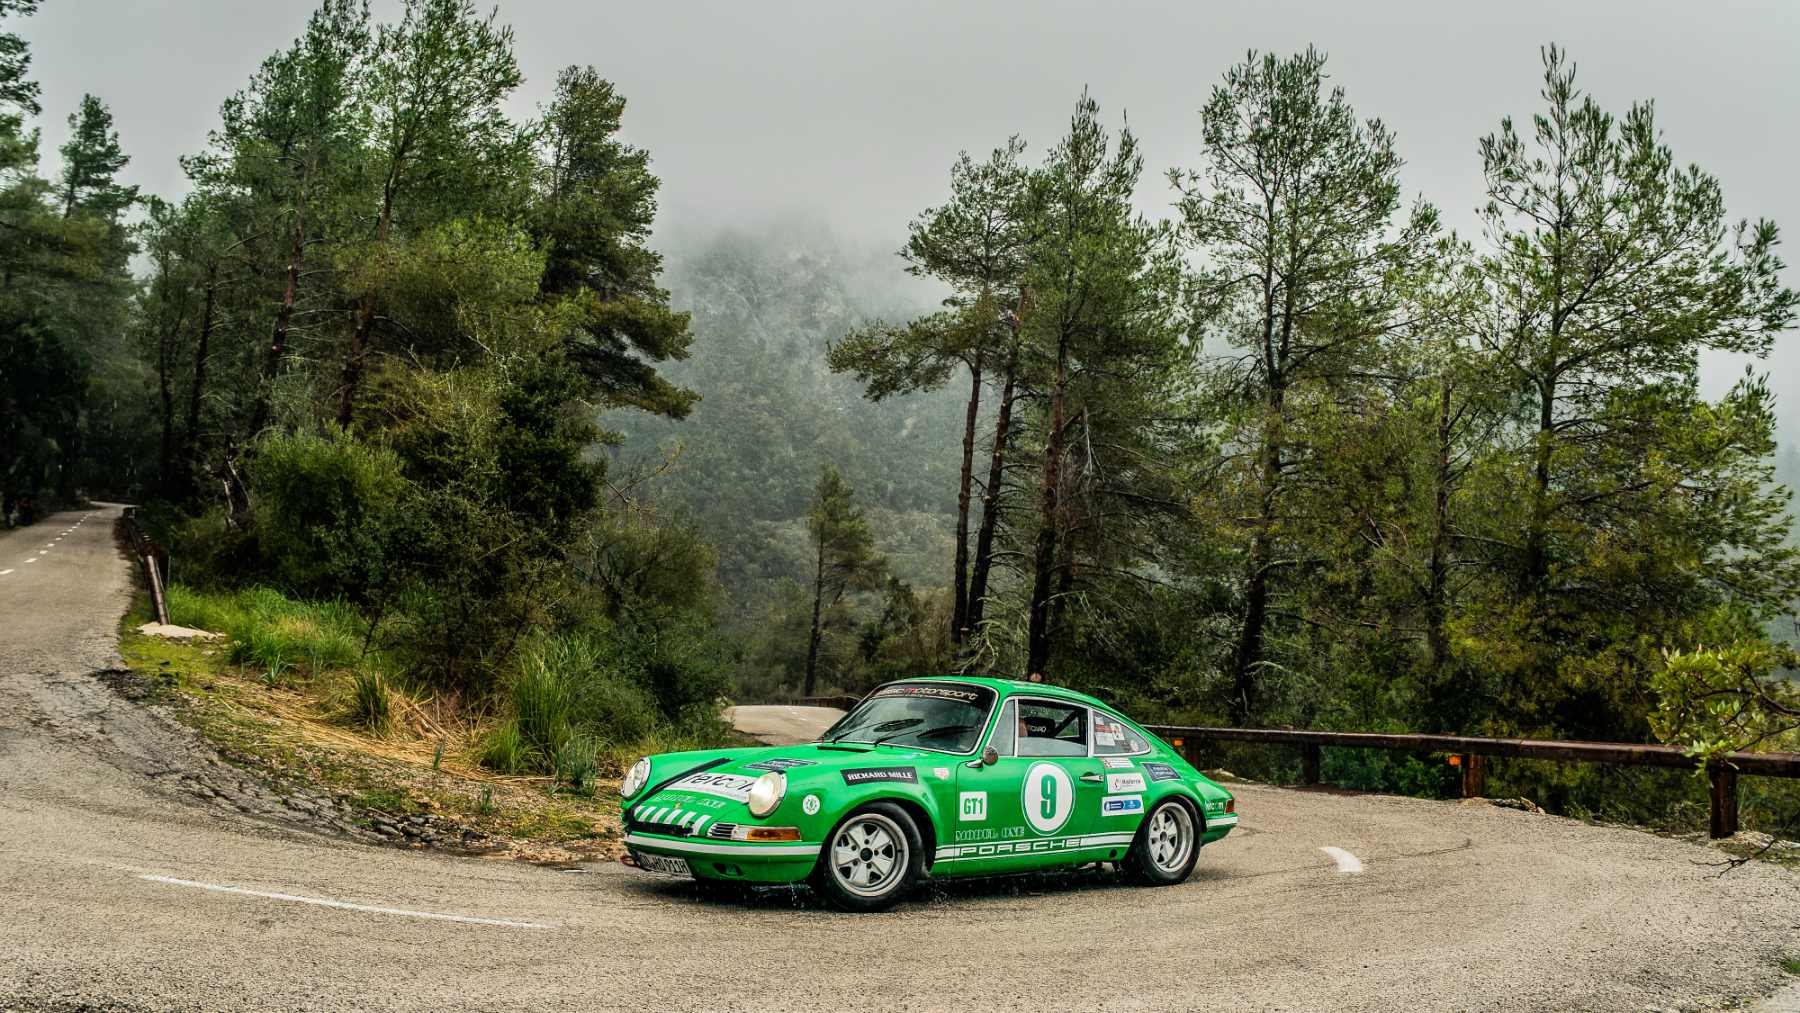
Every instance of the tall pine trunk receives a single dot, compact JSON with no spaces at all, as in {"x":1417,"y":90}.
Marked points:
{"x":202,"y":351}
{"x":1437,"y":605}
{"x":959,"y":616}
{"x":284,"y":318}
{"x":1037,"y":643}
{"x":990,"y":496}
{"x":812,"y":643}
{"x":365,"y":323}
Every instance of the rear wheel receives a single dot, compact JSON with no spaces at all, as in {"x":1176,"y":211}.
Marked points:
{"x":870,"y":859}
{"x":1167,"y":845}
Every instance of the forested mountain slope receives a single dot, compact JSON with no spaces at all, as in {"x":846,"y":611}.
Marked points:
{"x":742,"y":466}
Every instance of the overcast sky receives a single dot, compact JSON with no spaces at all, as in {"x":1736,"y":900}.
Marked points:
{"x":850,"y":112}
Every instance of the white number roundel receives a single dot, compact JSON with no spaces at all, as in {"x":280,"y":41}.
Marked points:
{"x":1048,"y":797}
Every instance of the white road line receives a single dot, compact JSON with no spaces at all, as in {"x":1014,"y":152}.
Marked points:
{"x":344,"y":905}
{"x":1346,"y":862}
{"x":33,"y":559}
{"x":4,"y":572}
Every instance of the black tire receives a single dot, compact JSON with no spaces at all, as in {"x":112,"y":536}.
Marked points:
{"x":870,"y":860}
{"x":1167,"y":845}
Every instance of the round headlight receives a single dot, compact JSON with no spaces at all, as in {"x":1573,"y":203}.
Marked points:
{"x":766,"y":793}
{"x":635,"y":778}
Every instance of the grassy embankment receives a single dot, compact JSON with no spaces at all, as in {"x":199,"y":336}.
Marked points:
{"x":292,"y":694}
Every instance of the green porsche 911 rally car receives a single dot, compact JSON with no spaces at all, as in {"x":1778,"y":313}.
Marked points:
{"x":929,"y":777}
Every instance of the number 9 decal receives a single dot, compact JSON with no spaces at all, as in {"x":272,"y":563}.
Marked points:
{"x":1049,"y":797}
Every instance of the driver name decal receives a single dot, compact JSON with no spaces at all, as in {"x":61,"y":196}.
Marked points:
{"x":865,"y":775}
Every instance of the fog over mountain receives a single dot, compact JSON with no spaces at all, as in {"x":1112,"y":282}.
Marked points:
{"x":852,"y":112}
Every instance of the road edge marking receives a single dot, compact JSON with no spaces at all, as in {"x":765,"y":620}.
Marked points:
{"x":1346,"y":862}
{"x":342,"y":904}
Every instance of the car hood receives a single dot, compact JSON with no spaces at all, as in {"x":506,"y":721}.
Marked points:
{"x":716,"y":783}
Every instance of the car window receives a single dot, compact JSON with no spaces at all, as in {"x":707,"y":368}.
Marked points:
{"x":1006,"y":729}
{"x":946,"y":717}
{"x":1052,"y":729}
{"x":1114,"y":737}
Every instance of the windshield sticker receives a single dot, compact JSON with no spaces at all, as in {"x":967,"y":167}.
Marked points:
{"x":1108,"y":733}
{"x":1121,"y":805}
{"x":778,"y":764}
{"x":959,"y":694}
{"x":1161,"y":772}
{"x":732,"y":786}
{"x":864,"y":775}
{"x":1119,"y":784}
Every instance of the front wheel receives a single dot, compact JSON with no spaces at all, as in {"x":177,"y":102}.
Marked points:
{"x":1166,"y":847}
{"x":870,"y":860}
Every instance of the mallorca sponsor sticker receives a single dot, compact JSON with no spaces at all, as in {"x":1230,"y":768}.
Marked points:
{"x":1116,"y":763}
{"x":973,"y":807}
{"x":731,"y":786}
{"x":1121,"y":805}
{"x":1161,"y":772}
{"x":1119,"y":784}
{"x":779,"y":763}
{"x":865,"y":775}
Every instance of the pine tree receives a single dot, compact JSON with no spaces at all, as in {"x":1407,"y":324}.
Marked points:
{"x":845,"y":558}
{"x":1295,"y":214}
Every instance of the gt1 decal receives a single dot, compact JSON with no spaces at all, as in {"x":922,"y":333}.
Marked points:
{"x":864,"y":775}
{"x":1119,"y":784}
{"x":973,"y":806}
{"x":779,"y":764}
{"x":731,"y":786}
{"x":810,"y":805}
{"x":1121,"y":805}
{"x":1048,"y":797}
{"x":1117,"y":763}
{"x":1161,"y":772}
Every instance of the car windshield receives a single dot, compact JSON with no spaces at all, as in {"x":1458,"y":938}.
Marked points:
{"x":945,"y":717}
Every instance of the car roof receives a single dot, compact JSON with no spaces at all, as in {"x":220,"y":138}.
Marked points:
{"x":1008,"y":687}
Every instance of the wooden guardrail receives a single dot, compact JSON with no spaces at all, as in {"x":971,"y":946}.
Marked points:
{"x":1471,"y":754}
{"x":154,"y":560}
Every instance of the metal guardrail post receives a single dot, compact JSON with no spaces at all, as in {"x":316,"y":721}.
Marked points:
{"x":1309,"y":763}
{"x":147,"y":552}
{"x":1724,"y":800}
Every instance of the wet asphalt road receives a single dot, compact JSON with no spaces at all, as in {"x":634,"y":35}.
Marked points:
{"x":116,"y":893}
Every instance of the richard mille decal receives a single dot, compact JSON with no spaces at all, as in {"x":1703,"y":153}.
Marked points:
{"x":864,"y":775}
{"x":973,"y":808}
{"x":1119,"y":784}
{"x":1161,"y":772}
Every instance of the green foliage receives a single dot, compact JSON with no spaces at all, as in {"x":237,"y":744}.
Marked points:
{"x":370,"y":706}
{"x":325,"y":504}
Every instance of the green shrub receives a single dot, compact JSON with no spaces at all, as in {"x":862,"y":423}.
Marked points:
{"x":324,"y":504}
{"x":542,"y":707}
{"x":576,"y":763}
{"x":504,"y":749}
{"x":370,"y":706}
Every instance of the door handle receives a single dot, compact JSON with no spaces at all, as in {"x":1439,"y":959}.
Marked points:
{"x":1091,"y":778}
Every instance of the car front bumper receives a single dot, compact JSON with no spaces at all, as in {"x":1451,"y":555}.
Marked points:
{"x":749,"y":861}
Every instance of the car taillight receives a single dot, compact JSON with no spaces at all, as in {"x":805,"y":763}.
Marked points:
{"x":1231,"y":805}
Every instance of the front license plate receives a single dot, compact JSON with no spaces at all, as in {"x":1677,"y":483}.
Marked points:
{"x":663,"y":864}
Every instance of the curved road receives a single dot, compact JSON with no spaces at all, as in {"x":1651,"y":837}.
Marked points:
{"x":119,"y":894}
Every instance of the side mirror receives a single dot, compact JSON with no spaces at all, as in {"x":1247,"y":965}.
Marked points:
{"x":988,"y":758}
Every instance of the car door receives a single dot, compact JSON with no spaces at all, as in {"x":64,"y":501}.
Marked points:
{"x":1038,"y":802}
